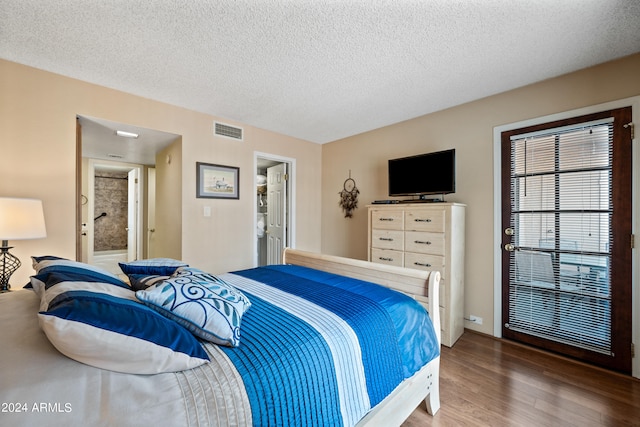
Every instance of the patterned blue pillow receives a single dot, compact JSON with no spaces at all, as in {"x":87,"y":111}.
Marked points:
{"x":153,"y":266}
{"x":206,"y":305}
{"x":103,"y":325}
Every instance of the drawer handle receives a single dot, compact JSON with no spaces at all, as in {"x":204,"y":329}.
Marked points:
{"x":421,"y":242}
{"x":385,"y":219}
{"x":385,"y":259}
{"x":422,"y":220}
{"x":386,"y":239}
{"x":421,"y":264}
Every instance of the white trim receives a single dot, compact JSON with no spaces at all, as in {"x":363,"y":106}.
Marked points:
{"x":291,"y":199}
{"x":634,"y":102}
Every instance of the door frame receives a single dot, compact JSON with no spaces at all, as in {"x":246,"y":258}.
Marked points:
{"x":290,"y":204}
{"x":89,"y":224}
{"x":634,"y":102}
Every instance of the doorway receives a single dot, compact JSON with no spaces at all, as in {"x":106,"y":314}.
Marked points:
{"x":129,"y":166}
{"x":113,"y":220}
{"x":566,"y":237}
{"x":274,"y":179}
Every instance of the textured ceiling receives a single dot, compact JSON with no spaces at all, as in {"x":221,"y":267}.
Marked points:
{"x":317,"y":70}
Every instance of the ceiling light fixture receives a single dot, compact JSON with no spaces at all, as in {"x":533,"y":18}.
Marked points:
{"x":126,"y":134}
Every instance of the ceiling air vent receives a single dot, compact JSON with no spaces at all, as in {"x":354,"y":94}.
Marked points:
{"x":228,"y":131}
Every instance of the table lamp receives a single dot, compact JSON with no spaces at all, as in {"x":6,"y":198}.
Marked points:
{"x":20,"y":219}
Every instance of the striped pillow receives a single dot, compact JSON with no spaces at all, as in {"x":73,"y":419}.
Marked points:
{"x":47,"y":265}
{"x":141,"y":282}
{"x":103,"y":325}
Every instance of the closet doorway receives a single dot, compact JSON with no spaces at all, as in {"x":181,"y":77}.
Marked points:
{"x":274,"y":179}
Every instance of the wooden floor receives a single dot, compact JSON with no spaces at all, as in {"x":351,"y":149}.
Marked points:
{"x":490,"y":382}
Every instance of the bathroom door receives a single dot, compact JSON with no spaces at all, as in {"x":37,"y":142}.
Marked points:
{"x":151,"y":213}
{"x":132,"y":213}
{"x":276,"y":212}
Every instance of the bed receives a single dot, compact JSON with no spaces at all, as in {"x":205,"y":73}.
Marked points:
{"x":307,"y":353}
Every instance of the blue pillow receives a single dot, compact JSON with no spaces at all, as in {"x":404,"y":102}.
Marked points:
{"x":103,"y":325}
{"x":206,"y":305}
{"x":153,"y":266}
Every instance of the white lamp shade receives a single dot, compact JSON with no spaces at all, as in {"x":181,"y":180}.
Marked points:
{"x":21,"y":219}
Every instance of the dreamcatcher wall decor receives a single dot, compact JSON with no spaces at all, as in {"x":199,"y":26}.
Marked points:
{"x":349,"y":197}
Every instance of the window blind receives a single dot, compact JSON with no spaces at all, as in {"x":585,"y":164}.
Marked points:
{"x":560,"y":286}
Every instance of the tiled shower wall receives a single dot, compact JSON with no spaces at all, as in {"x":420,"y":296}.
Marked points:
{"x":111,"y":197}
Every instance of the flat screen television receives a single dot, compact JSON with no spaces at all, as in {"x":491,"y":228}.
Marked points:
{"x":424,"y":174}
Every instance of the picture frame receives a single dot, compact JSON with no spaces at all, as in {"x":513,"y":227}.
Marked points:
{"x":217,"y":181}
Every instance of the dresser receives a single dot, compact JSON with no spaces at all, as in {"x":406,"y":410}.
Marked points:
{"x":425,"y":236}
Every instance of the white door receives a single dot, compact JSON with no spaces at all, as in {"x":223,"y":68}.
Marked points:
{"x":132,"y":214}
{"x":151,"y":213}
{"x":276,"y":212}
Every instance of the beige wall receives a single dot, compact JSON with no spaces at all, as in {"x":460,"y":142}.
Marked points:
{"x":469,"y":129}
{"x":166,"y":239}
{"x":37,"y":135}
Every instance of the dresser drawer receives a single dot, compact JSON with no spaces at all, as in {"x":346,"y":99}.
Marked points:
{"x":424,"y":262}
{"x":425,"y":220}
{"x":433,"y":240}
{"x":387,"y":239}
{"x":387,"y":256}
{"x":424,"y":242}
{"x":387,"y":220}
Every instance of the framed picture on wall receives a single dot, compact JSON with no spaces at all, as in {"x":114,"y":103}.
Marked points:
{"x":217,"y":181}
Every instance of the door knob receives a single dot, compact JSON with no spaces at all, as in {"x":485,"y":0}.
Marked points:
{"x":509,"y":231}
{"x":509,"y":247}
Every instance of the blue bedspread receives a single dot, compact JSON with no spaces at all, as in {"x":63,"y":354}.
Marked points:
{"x":302,"y":369}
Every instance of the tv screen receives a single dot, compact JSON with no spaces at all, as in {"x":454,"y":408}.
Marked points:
{"x":424,"y":174}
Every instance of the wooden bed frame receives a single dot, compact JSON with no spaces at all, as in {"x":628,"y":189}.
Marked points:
{"x":424,"y":385}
